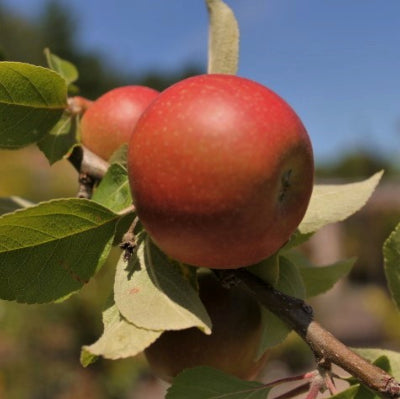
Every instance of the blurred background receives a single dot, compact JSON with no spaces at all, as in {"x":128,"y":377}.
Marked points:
{"x":336,"y":63}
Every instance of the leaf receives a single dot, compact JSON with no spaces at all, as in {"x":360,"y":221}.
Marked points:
{"x":289,"y":282}
{"x":120,"y":156}
{"x":120,"y":339}
{"x":336,"y":202}
{"x":387,"y":360}
{"x":60,"y":140}
{"x":51,"y":250}
{"x":64,"y":68}
{"x":275,"y":331}
{"x":223,"y":44}
{"x":349,"y":393}
{"x":155,"y":293}
{"x":391,"y":255}
{"x":113,"y":191}
{"x":11,"y":204}
{"x":319,"y":279}
{"x":296,"y":239}
{"x":32,"y":100}
{"x":209,"y":383}
{"x":267,"y":270}
{"x":376,"y":355}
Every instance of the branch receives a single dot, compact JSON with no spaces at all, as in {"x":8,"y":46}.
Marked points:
{"x":326,"y":348}
{"x":91,"y":169}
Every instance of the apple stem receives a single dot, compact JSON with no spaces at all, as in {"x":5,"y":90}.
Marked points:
{"x":128,"y":243}
{"x":326,"y":348}
{"x":78,"y":105}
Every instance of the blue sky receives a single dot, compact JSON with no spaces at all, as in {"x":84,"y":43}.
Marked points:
{"x":337,"y":62}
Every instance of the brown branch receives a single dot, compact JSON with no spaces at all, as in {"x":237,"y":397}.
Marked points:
{"x":326,"y":348}
{"x":91,"y":169}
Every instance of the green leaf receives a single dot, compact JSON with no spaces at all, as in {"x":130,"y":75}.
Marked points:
{"x":349,"y":393}
{"x":60,"y":140}
{"x":113,"y":191}
{"x":336,"y":202}
{"x":391,"y":255}
{"x":11,"y":204}
{"x":223,"y":44}
{"x":209,"y":383}
{"x":64,"y":68}
{"x":156,"y":293}
{"x":120,"y":339}
{"x":296,"y":239}
{"x":387,"y":360}
{"x":275,"y":331}
{"x":32,"y":100}
{"x":120,"y":156}
{"x":319,"y":279}
{"x":51,"y":250}
{"x":289,"y":282}
{"x":376,"y":355}
{"x":267,"y":270}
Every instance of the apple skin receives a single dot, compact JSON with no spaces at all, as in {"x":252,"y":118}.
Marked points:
{"x":232,"y":346}
{"x":109,"y":121}
{"x":221,"y":171}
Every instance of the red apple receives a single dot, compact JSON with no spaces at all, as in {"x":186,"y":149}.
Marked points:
{"x":109,"y":121}
{"x":233,"y":345}
{"x":221,"y":171}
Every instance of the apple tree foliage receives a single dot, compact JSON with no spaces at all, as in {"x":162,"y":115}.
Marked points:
{"x":50,"y":250}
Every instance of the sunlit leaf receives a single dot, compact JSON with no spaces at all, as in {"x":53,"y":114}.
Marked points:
{"x":391,"y":365}
{"x":113,"y":191}
{"x":120,"y":339}
{"x":120,"y":156}
{"x":156,"y":293}
{"x":61,"y":138}
{"x":209,"y":383}
{"x":223,"y":45}
{"x":51,"y":250}
{"x":336,"y":202}
{"x":65,"y":68}
{"x":391,"y":254}
{"x":32,"y":100}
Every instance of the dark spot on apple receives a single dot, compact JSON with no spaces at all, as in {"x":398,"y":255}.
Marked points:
{"x":285,"y":184}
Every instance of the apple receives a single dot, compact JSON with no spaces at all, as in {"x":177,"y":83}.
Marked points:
{"x":232,"y":346}
{"x":221,"y":171}
{"x":108,"y":122}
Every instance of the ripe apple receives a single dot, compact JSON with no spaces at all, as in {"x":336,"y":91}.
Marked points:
{"x":109,"y":121}
{"x":221,"y":171}
{"x":233,"y":345}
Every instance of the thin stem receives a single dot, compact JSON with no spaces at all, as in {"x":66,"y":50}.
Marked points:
{"x":127,"y":210}
{"x":128,"y":243}
{"x":300,"y":377}
{"x":295,"y":391}
{"x":78,"y":105}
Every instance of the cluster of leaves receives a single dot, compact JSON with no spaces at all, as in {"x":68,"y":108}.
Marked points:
{"x":50,"y":250}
